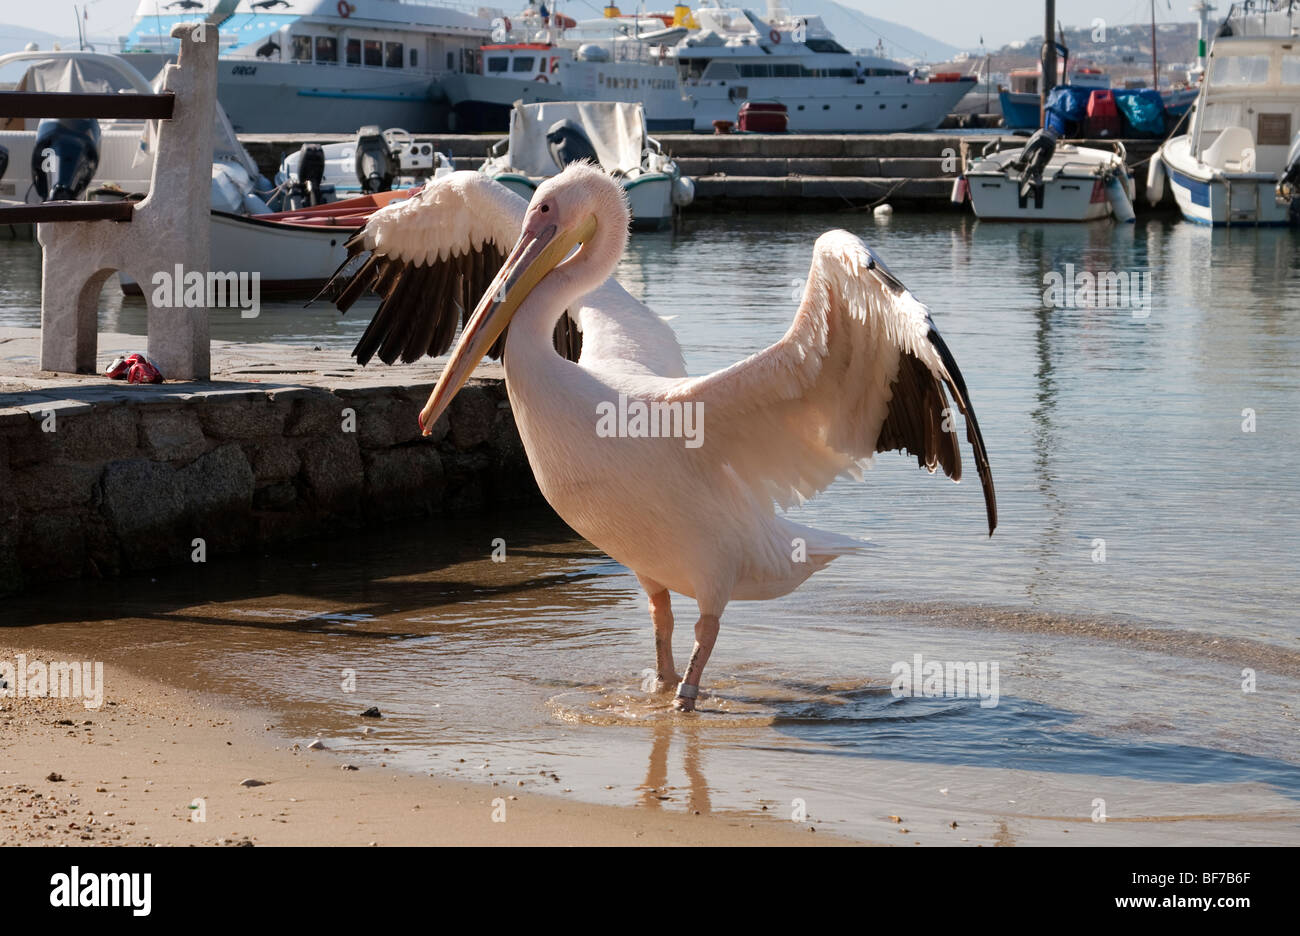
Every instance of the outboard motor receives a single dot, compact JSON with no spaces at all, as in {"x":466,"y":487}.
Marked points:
{"x":4,"y":161}
{"x":1288,"y":183}
{"x":568,"y":143}
{"x":311,"y":170}
{"x":1034,"y":158}
{"x":65,"y":157}
{"x":374,"y":161}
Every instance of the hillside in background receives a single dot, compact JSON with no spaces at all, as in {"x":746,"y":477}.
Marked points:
{"x":854,"y":28}
{"x":15,"y":39}
{"x":859,"y":31}
{"x":1125,"y":52}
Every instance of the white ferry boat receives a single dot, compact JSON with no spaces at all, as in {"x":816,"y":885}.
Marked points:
{"x":323,"y":65}
{"x":1239,"y":162}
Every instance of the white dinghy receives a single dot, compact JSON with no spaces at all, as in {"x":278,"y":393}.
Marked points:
{"x":1045,"y":180}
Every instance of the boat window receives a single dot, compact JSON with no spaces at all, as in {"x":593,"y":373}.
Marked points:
{"x":327,"y":50}
{"x":720,"y":70}
{"x":825,"y":45}
{"x":374,"y":53}
{"x":523,"y":63}
{"x":497,"y":63}
{"x":786,"y":71}
{"x":1291,"y":69}
{"x":1024,"y":84}
{"x":692,"y":69}
{"x":354,"y":52}
{"x":754,"y":71}
{"x":392,"y":55}
{"x":1240,"y":70}
{"x":416,"y":61}
{"x":302,"y":48}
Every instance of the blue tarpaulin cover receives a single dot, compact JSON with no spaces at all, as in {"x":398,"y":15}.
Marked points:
{"x":1066,"y":108}
{"x":1143,"y":110}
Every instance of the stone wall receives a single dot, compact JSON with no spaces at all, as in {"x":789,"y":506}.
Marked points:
{"x":107,"y":488}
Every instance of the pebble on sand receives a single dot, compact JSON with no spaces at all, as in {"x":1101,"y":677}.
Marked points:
{"x":317,"y":745}
{"x":372,"y":712}
{"x":55,"y":777}
{"x":251,"y":782}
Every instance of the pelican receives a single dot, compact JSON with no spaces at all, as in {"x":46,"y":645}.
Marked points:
{"x":861,"y":370}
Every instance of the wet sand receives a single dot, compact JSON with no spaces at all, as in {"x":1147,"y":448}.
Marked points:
{"x":129,"y":772}
{"x":490,"y":675}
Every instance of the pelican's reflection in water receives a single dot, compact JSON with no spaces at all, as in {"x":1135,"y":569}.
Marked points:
{"x":656,"y":790}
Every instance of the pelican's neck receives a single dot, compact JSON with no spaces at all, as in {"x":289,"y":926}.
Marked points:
{"x":532,"y":328}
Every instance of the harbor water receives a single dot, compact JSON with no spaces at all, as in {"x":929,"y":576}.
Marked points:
{"x":1138,"y":597}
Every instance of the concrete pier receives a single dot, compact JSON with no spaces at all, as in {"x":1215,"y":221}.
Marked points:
{"x":781,"y":172}
{"x":99,"y":478}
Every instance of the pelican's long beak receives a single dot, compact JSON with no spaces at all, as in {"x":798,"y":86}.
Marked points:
{"x":538,"y":251}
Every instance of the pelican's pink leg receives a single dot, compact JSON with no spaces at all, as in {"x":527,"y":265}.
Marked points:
{"x":661,"y":614}
{"x":706,"y":634}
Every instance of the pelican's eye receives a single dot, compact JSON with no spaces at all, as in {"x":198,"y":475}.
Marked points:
{"x":544,"y":208}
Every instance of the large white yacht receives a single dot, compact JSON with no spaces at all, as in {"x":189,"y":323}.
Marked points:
{"x":1239,"y":162}
{"x":737,"y":56}
{"x":691,"y":69}
{"x":323,"y":65}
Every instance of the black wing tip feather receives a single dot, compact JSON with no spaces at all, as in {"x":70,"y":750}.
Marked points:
{"x":957,"y":384}
{"x":421,"y":304}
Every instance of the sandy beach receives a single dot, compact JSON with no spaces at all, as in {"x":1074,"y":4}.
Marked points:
{"x":129,"y":773}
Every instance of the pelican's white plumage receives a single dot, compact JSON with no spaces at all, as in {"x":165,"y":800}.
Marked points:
{"x":862,"y":369}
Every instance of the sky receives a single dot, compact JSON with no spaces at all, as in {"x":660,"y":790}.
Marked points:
{"x":957,"y":22}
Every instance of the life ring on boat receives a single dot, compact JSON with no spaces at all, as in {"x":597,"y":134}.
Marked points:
{"x":774,"y":36}
{"x":345,"y":9}
{"x":543,"y":79}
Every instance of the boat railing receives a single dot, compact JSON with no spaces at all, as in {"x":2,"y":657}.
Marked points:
{"x":993,"y":147}
{"x":1262,"y":18}
{"x":477,"y":9}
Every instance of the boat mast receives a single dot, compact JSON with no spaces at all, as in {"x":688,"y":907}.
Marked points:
{"x":1203,"y":10}
{"x":1155,"y":68}
{"x":1048,"y":59}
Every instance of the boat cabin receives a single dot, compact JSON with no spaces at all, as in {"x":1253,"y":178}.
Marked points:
{"x":1248,"y":112}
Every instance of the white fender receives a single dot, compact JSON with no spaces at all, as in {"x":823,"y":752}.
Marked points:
{"x":1156,"y":179}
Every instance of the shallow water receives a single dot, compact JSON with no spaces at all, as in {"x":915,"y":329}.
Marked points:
{"x":1119,"y":680}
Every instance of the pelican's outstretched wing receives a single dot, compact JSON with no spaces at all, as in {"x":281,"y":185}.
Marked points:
{"x":861,"y":370}
{"x":430,"y":258}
